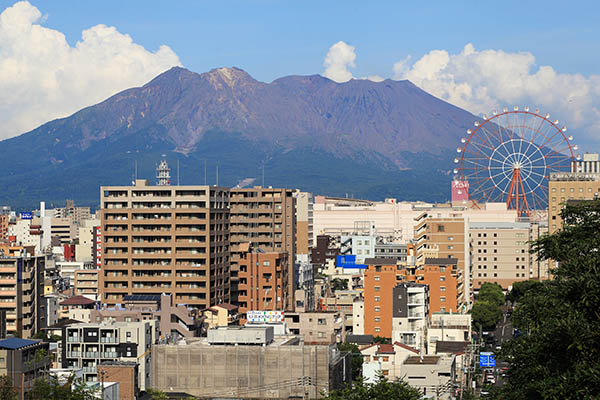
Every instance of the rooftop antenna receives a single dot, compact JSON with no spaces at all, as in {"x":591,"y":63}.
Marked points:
{"x":163,"y":173}
{"x":217,"y":175}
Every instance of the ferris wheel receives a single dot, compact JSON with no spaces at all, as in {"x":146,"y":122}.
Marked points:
{"x":508,"y":157}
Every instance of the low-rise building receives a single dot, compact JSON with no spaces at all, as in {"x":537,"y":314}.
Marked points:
{"x":223,"y":314}
{"x":272,"y":367}
{"x":23,"y":361}
{"x":174,"y":320}
{"x":88,"y":345}
{"x":448,"y":328}
{"x":317,"y":327}
{"x":78,"y":308}
{"x":385,"y":359}
{"x":433,"y":375}
{"x":125,"y":373}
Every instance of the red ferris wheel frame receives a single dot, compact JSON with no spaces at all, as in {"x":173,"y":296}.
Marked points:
{"x":543,"y":139}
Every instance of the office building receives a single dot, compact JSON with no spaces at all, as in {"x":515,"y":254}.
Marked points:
{"x":266,"y":217}
{"x":565,"y":186}
{"x":304,"y":222}
{"x":500,"y":253}
{"x":159,"y":239}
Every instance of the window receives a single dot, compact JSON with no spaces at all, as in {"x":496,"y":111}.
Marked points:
{"x":377,"y":278}
{"x":443,"y":299}
{"x":321,"y":321}
{"x":266,"y":263}
{"x":442,"y":288}
{"x":442,"y":278}
{"x":441,"y":228}
{"x":377,"y":309}
{"x":377,"y":329}
{"x":377,"y":288}
{"x":450,"y":238}
{"x":442,"y":269}
{"x":377,"y":299}
{"x":377,"y":319}
{"x":450,"y":247}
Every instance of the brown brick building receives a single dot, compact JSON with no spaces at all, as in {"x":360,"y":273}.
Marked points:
{"x":159,"y":239}
{"x":124,"y":372}
{"x":263,"y":281}
{"x":445,"y":282}
{"x":266,"y":217}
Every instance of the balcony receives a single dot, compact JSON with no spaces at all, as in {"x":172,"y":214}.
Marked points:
{"x":108,"y":340}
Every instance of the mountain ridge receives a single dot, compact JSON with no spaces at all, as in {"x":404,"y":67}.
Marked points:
{"x":345,"y":129}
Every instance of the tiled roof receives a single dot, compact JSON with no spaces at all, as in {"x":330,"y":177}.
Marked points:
{"x":77,"y":301}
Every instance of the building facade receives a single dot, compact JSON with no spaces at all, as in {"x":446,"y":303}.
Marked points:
{"x":159,"y":239}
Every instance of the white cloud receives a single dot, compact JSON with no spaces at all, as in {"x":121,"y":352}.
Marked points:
{"x":339,"y":57}
{"x":42,"y":77}
{"x":481,"y":81}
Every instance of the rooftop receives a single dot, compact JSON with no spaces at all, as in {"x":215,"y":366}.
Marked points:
{"x":77,"y":301}
{"x":441,"y":261}
{"x":426,"y":360}
{"x":17,"y":343}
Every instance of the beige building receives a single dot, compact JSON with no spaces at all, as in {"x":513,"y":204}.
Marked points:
{"x":304,"y":222}
{"x":85,"y":283}
{"x":566,"y":186}
{"x":448,"y":328}
{"x":223,"y":314}
{"x":317,"y":327}
{"x":500,"y":253}
{"x":21,"y":294}
{"x":159,"y":239}
{"x":266,"y":217}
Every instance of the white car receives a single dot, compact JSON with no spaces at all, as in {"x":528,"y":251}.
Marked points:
{"x":490,"y":379}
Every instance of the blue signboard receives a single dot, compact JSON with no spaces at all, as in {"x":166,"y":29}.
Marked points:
{"x":487,"y":359}
{"x":348,"y":261}
{"x":26,"y":215}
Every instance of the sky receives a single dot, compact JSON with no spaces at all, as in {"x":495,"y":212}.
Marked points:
{"x":59,"y":56}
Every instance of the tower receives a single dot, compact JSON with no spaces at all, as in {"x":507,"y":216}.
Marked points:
{"x":163,"y":173}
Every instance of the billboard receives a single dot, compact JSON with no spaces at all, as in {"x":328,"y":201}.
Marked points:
{"x":460,"y":191}
{"x":258,"y":316}
{"x":27,"y":215}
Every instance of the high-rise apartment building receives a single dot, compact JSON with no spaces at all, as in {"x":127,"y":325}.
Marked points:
{"x":263,"y":281}
{"x":304,"y":222}
{"x":21,"y":294}
{"x":380,"y":278}
{"x":565,"y":186}
{"x":446,"y":235}
{"x":266,"y":217}
{"x":77,"y":214}
{"x":446,"y":284}
{"x":159,"y":239}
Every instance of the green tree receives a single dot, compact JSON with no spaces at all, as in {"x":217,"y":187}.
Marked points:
{"x":491,"y":292}
{"x":382,"y":389}
{"x":559,"y":357}
{"x":7,"y":391}
{"x":51,"y":389}
{"x":157,"y":394}
{"x":357,"y":359}
{"x":519,"y":289}
{"x":339,"y":284}
{"x":485,"y":314}
{"x":382,"y":340}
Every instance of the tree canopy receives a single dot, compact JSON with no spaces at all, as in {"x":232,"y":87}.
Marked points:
{"x":49,"y":388}
{"x":558,"y":357}
{"x":485,"y":314}
{"x":7,"y":391}
{"x":519,"y":289}
{"x":382,"y":389}
{"x":357,"y":359}
{"x":491,"y":292}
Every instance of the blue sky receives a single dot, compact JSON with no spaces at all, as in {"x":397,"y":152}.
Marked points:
{"x":271,"y":39}
{"x":478,"y":55}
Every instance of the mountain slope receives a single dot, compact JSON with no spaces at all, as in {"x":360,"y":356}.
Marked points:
{"x":360,"y":138}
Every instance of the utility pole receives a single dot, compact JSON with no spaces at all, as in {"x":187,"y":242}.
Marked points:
{"x":102,"y":373}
